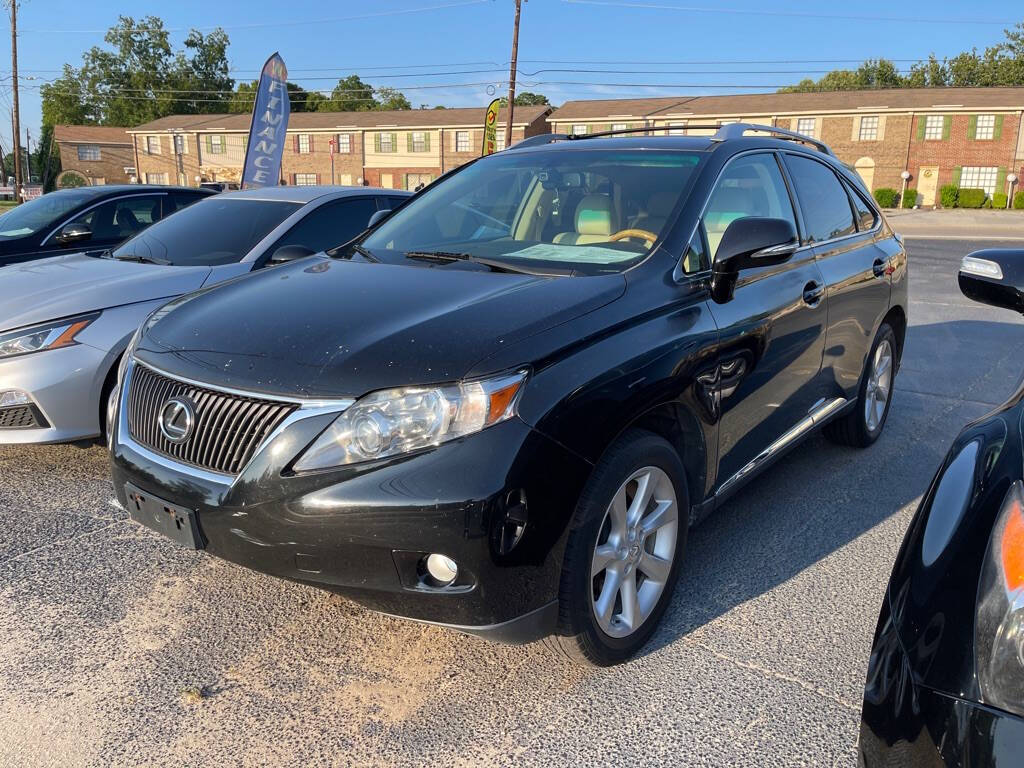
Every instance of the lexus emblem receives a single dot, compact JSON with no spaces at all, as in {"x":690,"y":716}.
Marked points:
{"x":177,"y":419}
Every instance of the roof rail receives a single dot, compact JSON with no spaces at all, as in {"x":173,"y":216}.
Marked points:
{"x":738,"y":130}
{"x":540,"y":138}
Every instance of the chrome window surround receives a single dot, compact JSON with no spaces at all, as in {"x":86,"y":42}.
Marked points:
{"x":308,"y":407}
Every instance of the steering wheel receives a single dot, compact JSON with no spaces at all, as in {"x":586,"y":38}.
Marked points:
{"x":643,"y":234}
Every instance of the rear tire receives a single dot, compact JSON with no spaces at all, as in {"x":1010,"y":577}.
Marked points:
{"x":864,"y":424}
{"x":624,"y":552}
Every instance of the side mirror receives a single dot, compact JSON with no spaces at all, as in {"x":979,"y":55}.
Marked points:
{"x":377,"y":217}
{"x":73,"y":233}
{"x":288,"y":253}
{"x":750,"y":242}
{"x":994,"y":276}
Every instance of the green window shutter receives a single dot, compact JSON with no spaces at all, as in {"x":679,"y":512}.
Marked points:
{"x":376,"y":142}
{"x":1001,"y":180}
{"x":956,"y":175}
{"x":394,"y":142}
{"x":997,"y":132}
{"x":947,"y":123}
{"x":426,"y":142}
{"x":972,"y":127}
{"x":408,"y":142}
{"x":405,"y":181}
{"x":209,"y":144}
{"x":920,"y":127}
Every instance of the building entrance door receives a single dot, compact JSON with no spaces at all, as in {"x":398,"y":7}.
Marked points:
{"x":927,"y":183}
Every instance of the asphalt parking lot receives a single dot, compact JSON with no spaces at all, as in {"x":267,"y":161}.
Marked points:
{"x":118,"y":648}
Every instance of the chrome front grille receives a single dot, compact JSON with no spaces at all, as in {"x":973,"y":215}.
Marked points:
{"x":227,"y":430}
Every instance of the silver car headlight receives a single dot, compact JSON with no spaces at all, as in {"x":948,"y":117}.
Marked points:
{"x":52,"y":335}
{"x":396,"y":421}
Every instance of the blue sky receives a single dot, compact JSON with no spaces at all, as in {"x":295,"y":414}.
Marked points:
{"x":683,"y":45}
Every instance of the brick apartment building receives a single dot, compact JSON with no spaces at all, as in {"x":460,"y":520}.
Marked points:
{"x":395,"y":149}
{"x":98,"y":153}
{"x":967,"y":136}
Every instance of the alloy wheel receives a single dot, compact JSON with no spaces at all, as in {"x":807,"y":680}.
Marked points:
{"x":879,"y":386}
{"x":634,"y":551}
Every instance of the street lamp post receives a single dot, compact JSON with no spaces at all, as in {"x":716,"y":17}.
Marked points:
{"x":1011,"y":178}
{"x":906,"y":177}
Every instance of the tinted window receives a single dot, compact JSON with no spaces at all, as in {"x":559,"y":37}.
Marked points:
{"x":823,"y":201}
{"x":751,"y":185}
{"x":121,"y":218}
{"x":46,"y":211}
{"x":331,"y":224}
{"x":865,"y":216}
{"x":214,"y":231}
{"x":696,"y":257}
{"x":175,"y":201}
{"x":394,"y":202}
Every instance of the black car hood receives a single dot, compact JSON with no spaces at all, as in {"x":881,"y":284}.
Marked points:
{"x":327,"y":328}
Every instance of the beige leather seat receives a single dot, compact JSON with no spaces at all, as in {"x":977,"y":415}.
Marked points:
{"x":655,"y":217}
{"x":595,"y":221}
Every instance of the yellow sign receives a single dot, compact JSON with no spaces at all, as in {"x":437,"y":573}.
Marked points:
{"x":491,"y":129}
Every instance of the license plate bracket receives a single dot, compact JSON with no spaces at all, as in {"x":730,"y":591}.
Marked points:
{"x":174,"y":522}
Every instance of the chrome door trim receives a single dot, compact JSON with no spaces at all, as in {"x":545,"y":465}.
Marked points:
{"x":96,"y":205}
{"x":820,"y":412}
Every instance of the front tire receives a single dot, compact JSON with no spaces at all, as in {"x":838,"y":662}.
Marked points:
{"x":863,"y":425}
{"x":624,"y":551}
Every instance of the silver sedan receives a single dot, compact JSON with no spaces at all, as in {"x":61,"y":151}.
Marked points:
{"x":65,"y":321}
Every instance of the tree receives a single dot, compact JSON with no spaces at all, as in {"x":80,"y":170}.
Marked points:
{"x":46,"y":159}
{"x":299,"y":99}
{"x":351,"y":94}
{"x":389,"y":98}
{"x":528,"y":99}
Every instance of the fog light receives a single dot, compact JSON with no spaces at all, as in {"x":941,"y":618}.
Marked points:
{"x":442,"y":569}
{"x":13,"y":397}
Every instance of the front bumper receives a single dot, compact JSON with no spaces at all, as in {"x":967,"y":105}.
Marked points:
{"x":361,"y":531}
{"x":64,"y":385}
{"x":910,"y":725}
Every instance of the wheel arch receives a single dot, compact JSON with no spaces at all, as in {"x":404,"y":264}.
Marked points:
{"x":896,"y":317}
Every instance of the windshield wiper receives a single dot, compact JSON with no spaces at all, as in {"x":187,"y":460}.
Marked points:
{"x":449,"y":256}
{"x":143,"y":259}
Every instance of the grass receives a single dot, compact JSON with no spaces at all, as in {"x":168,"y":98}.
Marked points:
{"x":6,"y":205}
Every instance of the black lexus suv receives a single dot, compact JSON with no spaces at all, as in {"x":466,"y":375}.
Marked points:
{"x":501,"y":408}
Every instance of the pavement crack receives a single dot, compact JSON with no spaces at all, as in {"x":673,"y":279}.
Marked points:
{"x":60,"y":542}
{"x":807,"y":686}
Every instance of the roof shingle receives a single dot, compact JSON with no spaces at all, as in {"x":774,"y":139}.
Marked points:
{"x":91,"y":134}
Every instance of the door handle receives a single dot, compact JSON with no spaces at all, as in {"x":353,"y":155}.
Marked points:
{"x":880,"y":268}
{"x":813,"y":293}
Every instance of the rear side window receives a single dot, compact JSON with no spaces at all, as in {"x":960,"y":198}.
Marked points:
{"x":175,"y":201}
{"x":751,"y":185}
{"x":331,"y":224}
{"x":823,"y":201}
{"x":865,"y":216}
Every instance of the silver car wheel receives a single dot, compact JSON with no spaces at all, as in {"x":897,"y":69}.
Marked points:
{"x":879,"y":387}
{"x":633,"y":554}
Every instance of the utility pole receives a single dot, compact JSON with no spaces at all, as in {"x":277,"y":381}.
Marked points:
{"x":15,"y":113}
{"x":28,"y":154}
{"x":511,"y":77}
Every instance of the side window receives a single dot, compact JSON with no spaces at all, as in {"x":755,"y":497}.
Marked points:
{"x":331,"y":224}
{"x":394,"y":202}
{"x":823,"y":201}
{"x":120,"y":219}
{"x":696,"y":257}
{"x":751,"y":185}
{"x":175,"y":201}
{"x":866,"y":218}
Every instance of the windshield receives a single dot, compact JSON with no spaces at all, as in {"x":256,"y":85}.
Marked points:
{"x":215,"y":230}
{"x":585,"y":211}
{"x":41,"y":213}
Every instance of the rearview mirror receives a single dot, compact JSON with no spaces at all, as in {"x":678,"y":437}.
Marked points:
{"x":288,"y":253}
{"x":377,"y":217}
{"x":752,"y":241}
{"x":73,"y":233}
{"x":994,"y":276}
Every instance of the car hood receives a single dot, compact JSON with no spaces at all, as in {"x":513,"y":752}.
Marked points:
{"x":70,"y":284}
{"x":327,"y":328}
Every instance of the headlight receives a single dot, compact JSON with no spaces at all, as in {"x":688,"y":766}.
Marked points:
{"x":60,"y":333}
{"x":397,"y":421}
{"x":999,"y":625}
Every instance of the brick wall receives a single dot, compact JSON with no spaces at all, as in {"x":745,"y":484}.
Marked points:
{"x":114,"y":158}
{"x":958,"y":150}
{"x":374,"y":176}
{"x":453,"y":158}
{"x":318,"y":159}
{"x":888,"y":152}
{"x":183,"y":170}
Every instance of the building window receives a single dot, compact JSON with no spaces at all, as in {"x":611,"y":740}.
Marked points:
{"x":344,"y":143}
{"x":304,"y":179}
{"x":386,"y":142}
{"x":152,"y":145}
{"x":579,"y":130}
{"x":677,"y":129}
{"x":979,"y":177}
{"x":97,"y":181}
{"x":933,"y":127}
{"x":215,"y":144}
{"x":984,"y":129}
{"x":805,"y":125}
{"x":88,"y":152}
{"x":499,"y":139}
{"x":302,"y":143}
{"x":619,"y":126}
{"x":156,"y":178}
{"x":418,"y":142}
{"x":414,"y":180}
{"x":462,"y":141}
{"x":180,"y":144}
{"x":868,"y":128}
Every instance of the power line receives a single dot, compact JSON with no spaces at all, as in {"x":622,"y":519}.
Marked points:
{"x":790,"y":14}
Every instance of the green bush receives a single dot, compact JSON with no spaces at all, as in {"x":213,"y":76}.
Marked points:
{"x":909,"y":198}
{"x":949,"y":195}
{"x":972,"y":198}
{"x":987,"y":205}
{"x":999,"y":200}
{"x":1018,"y":200}
{"x":886,"y":197}
{"x":70,"y":179}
